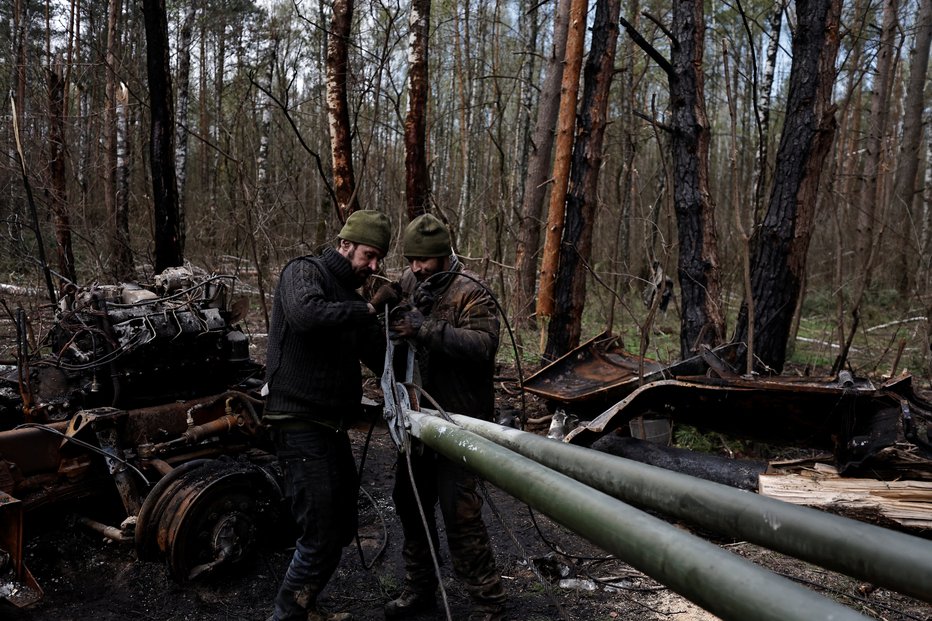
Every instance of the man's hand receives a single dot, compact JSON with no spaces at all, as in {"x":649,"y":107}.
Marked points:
{"x":388,"y":294}
{"x":406,"y":324}
{"x":423,"y":298}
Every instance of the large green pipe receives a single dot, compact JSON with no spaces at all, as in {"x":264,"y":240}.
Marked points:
{"x":718,"y":581}
{"x":880,"y":556}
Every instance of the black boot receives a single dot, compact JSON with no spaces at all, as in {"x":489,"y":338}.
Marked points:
{"x":495,"y":613}
{"x":290,"y":605}
{"x":297,"y":606}
{"x":410,"y":602}
{"x":314,"y":614}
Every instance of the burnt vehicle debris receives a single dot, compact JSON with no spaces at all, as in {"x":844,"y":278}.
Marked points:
{"x":145,"y":400}
{"x":883,"y":430}
{"x":127,"y":346}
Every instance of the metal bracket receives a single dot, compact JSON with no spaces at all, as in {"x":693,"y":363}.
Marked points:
{"x":396,"y":396}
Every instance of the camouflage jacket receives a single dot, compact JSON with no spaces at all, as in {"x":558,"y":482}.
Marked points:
{"x":456,"y":345}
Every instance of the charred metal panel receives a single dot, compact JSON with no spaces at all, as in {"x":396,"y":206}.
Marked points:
{"x":17,"y":584}
{"x":607,"y":388}
{"x":600,"y":372}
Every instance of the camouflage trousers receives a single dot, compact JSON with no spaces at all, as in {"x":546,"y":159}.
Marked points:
{"x":441,"y":481}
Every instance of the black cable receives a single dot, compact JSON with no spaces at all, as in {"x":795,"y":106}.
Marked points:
{"x":511,"y":334}
{"x":494,"y":509}
{"x":378,"y":511}
{"x":861,"y":600}
{"x":430,"y":540}
{"x":523,"y":419}
{"x":556,"y":550}
{"x":521,"y":550}
{"x":520,"y":386}
{"x":86,"y":445}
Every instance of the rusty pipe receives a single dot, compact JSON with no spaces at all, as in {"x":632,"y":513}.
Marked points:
{"x":110,"y":532}
{"x":222,"y":424}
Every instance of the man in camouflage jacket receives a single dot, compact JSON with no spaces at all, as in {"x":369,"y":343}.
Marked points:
{"x":454,"y":329}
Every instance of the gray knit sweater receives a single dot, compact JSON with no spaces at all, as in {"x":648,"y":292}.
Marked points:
{"x":319,"y":331}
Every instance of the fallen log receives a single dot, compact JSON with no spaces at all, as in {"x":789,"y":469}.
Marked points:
{"x":907,"y":504}
{"x":740,"y":473}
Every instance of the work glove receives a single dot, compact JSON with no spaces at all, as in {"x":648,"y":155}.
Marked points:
{"x":388,"y":294}
{"x":423,"y":298}
{"x":406,"y":324}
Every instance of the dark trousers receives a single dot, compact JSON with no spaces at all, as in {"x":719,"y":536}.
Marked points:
{"x":441,"y":481}
{"x":322,"y":485}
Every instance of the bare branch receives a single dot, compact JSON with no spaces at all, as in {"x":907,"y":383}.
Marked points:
{"x":647,"y":47}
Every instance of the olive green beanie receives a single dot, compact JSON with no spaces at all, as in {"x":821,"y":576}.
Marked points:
{"x":372,"y":228}
{"x":427,"y":236}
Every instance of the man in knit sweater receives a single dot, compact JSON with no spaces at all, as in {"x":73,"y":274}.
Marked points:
{"x":453,"y":327}
{"x":320,"y":330}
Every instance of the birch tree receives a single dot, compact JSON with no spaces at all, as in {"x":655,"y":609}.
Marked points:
{"x":121,"y":257}
{"x":184,"y":84}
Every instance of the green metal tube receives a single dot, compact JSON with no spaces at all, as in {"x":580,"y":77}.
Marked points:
{"x":716,"y":580}
{"x":877,"y":555}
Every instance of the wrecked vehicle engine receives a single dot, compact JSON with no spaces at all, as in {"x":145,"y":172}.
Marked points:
{"x":143,"y":400}
{"x":126,"y":346}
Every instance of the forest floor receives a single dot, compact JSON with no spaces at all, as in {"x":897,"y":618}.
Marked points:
{"x":548,"y":571}
{"x":86,"y":577}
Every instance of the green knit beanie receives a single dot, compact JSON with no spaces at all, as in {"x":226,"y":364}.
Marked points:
{"x":427,"y":236}
{"x":372,"y":228}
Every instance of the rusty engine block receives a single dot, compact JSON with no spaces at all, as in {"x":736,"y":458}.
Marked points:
{"x":146,"y":396}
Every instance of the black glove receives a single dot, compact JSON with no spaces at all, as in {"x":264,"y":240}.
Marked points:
{"x":406,"y":324}
{"x":387,"y":295}
{"x":423,"y":298}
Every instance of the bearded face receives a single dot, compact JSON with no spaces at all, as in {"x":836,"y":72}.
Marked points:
{"x":425,"y":267}
{"x":364,"y":259}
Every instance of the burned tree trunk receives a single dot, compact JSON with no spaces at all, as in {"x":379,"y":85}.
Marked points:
{"x":702,"y":321}
{"x":59,"y":195}
{"x":341,"y":137}
{"x":169,"y":238}
{"x":535,"y":183}
{"x":780,"y":244}
{"x":581,"y":200}
{"x":740,"y":473}
{"x":417,"y":179}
